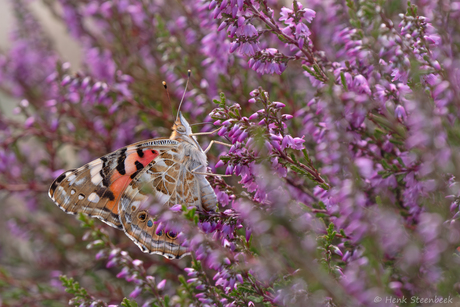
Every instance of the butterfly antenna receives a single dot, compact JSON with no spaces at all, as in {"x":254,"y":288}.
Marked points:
{"x":185,"y":91}
{"x":167,"y":93}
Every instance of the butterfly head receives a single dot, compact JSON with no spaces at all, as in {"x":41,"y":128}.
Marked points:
{"x":181,"y":126}
{"x":183,"y":130}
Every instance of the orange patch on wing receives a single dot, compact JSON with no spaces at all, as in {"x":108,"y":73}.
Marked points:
{"x":148,"y":157}
{"x":120,"y":182}
{"x":130,"y":162}
{"x":117,"y":188}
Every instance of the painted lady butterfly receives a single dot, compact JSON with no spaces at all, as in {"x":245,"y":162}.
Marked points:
{"x":118,"y":188}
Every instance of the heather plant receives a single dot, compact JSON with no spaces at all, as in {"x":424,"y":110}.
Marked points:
{"x":343,"y":118}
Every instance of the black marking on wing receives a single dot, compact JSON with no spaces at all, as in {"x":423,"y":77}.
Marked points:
{"x":139,"y":167}
{"x":102,"y":192}
{"x":150,"y":238}
{"x":105,"y":170}
{"x":61,"y":177}
{"x":121,"y":162}
{"x":115,"y":216}
{"x":57,"y":181}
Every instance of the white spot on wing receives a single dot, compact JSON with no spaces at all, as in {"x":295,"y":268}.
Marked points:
{"x":96,"y":167}
{"x":135,"y":204}
{"x":80,"y":182}
{"x":161,"y":163}
{"x":71,"y":177}
{"x":80,"y":197}
{"x":96,"y":179}
{"x":95,"y":162}
{"x":93,"y":197}
{"x":61,"y":190}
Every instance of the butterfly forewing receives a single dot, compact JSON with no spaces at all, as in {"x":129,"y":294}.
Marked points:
{"x":75,"y":192}
{"x":95,"y":189}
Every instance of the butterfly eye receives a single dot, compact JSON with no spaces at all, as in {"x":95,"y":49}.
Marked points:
{"x":142,"y":216}
{"x":180,"y":129}
{"x":171,"y":234}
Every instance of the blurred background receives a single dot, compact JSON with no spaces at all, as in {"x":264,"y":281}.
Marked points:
{"x":67,"y":47}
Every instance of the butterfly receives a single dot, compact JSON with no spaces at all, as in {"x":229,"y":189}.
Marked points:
{"x":118,"y":188}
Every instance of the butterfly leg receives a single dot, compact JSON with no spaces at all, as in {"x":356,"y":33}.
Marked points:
{"x":212,"y":142}
{"x":211,"y":174}
{"x":207,"y":133}
{"x":193,"y":171}
{"x":216,"y":142}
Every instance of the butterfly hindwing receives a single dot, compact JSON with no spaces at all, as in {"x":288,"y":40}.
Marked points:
{"x":95,"y":189}
{"x":163,"y":181}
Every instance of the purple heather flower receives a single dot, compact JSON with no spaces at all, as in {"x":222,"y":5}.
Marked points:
{"x":365,"y":167}
{"x":295,"y":143}
{"x":219,"y":164}
{"x":286,"y":14}
{"x":276,"y":145}
{"x":222,"y":26}
{"x":243,"y":136}
{"x":233,"y":47}
{"x":191,"y":272}
{"x":176,"y":208}
{"x":247,"y":30}
{"x":160,"y":227}
{"x":301,"y":29}
{"x":101,"y":254}
{"x":124,"y":272}
{"x":308,"y":14}
{"x":66,"y":80}
{"x":29,"y":122}
{"x":111,"y":263}
{"x":278,"y":104}
{"x":161,"y":284}
{"x":212,"y":4}
{"x":137,"y":262}
{"x":248,"y":48}
{"x":135,"y":293}
{"x":400,"y":112}
{"x":200,"y":287}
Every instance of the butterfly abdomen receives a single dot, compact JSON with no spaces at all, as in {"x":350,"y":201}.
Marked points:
{"x":208,"y":196}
